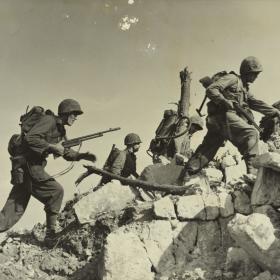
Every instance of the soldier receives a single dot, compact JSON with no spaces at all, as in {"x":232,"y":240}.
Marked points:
{"x":123,"y":163}
{"x":41,"y":140}
{"x":224,"y":123}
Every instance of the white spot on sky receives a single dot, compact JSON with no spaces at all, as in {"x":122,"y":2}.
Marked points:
{"x":130,"y":2}
{"x":126,"y":22}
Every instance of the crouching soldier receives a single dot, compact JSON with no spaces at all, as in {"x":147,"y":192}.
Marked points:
{"x":42,"y":139}
{"x":224,"y":122}
{"x":123,"y":163}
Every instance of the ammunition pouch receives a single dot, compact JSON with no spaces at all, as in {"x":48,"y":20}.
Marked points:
{"x":18,"y":167}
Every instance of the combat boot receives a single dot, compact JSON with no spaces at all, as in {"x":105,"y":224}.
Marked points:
{"x":51,"y":238}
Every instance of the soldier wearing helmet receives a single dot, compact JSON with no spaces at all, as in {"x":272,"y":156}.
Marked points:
{"x":224,"y":123}
{"x":123,"y":162}
{"x":41,"y":140}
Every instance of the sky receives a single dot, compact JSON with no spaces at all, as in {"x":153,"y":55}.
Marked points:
{"x":121,"y":60}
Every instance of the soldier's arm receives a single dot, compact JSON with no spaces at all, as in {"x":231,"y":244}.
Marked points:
{"x":261,"y":107}
{"x":214,"y":91}
{"x":35,"y":138}
{"x":118,"y":164}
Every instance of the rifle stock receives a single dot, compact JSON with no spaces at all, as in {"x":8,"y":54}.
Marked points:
{"x":77,"y":141}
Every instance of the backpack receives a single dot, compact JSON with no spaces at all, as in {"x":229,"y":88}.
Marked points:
{"x":27,"y":121}
{"x":166,"y":128}
{"x":109,"y":163}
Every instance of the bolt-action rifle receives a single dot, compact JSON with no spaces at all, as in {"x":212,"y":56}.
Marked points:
{"x":77,"y":141}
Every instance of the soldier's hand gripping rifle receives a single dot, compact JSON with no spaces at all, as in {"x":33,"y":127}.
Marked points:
{"x":79,"y":140}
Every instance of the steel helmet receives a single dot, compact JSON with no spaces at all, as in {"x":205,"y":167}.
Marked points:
{"x":132,"y":138}
{"x":250,"y":64}
{"x":68,"y":106}
{"x":197,"y":121}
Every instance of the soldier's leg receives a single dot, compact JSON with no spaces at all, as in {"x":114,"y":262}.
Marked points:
{"x":50,"y":193}
{"x":245,"y":137}
{"x":15,"y":206}
{"x":205,"y":152}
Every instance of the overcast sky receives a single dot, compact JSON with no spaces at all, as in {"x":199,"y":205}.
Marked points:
{"x":121,"y":61}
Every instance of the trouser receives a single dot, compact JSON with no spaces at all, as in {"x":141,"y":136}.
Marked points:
{"x":49,"y":192}
{"x":220,"y":128}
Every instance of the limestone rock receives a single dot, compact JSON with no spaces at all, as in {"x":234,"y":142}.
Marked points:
{"x":268,"y":160}
{"x":225,"y":204}
{"x":255,"y":234}
{"x":157,"y":238}
{"x":125,"y":258}
{"x":184,"y":236}
{"x":214,"y":175}
{"x":162,"y":174}
{"x":111,"y":197}
{"x":191,"y":207}
{"x":209,"y":237}
{"x":164,"y":208}
{"x":267,"y":188}
{"x":238,"y":261}
{"x":242,"y":203}
{"x":273,"y":215}
{"x":234,"y":172}
{"x":198,"y":184}
{"x":211,"y":204}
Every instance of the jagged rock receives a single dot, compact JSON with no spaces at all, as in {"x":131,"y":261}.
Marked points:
{"x":267,"y":188}
{"x":211,"y":205}
{"x":111,"y":197}
{"x":234,"y":172}
{"x":162,"y":174}
{"x":125,"y":258}
{"x":228,"y":160}
{"x":242,"y":203}
{"x":225,"y":204}
{"x":273,"y":215}
{"x":164,"y":208}
{"x":157,"y":237}
{"x":214,"y":175}
{"x":255,"y":234}
{"x":209,"y":237}
{"x":200,"y":184}
{"x":266,"y":275}
{"x":238,"y":261}
{"x":191,"y":207}
{"x":184,"y":239}
{"x":268,"y":160}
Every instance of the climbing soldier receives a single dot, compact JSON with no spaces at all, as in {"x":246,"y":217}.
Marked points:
{"x":42,"y":139}
{"x":123,"y":163}
{"x":225,"y":123}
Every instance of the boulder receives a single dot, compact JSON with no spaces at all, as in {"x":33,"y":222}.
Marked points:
{"x":238,"y":261}
{"x":268,"y":160}
{"x":242,"y":203}
{"x":225,"y":204}
{"x":157,"y":238}
{"x":164,"y":208}
{"x":184,"y":240}
{"x":214,"y":175}
{"x":191,"y":207}
{"x":124,"y":257}
{"x":266,"y":190}
{"x":234,"y":172}
{"x":168,"y":174}
{"x":111,"y":197}
{"x":255,"y":234}
{"x":211,"y":205}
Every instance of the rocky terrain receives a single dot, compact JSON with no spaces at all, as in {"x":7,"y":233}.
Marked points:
{"x":226,"y":226}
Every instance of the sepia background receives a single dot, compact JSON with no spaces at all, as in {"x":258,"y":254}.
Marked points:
{"x":121,"y":60}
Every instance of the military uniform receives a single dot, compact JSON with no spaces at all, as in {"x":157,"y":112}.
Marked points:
{"x":37,"y":182}
{"x":123,"y":164}
{"x":225,"y":124}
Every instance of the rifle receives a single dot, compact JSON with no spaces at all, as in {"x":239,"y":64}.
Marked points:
{"x":249,"y":118}
{"x":77,"y":141}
